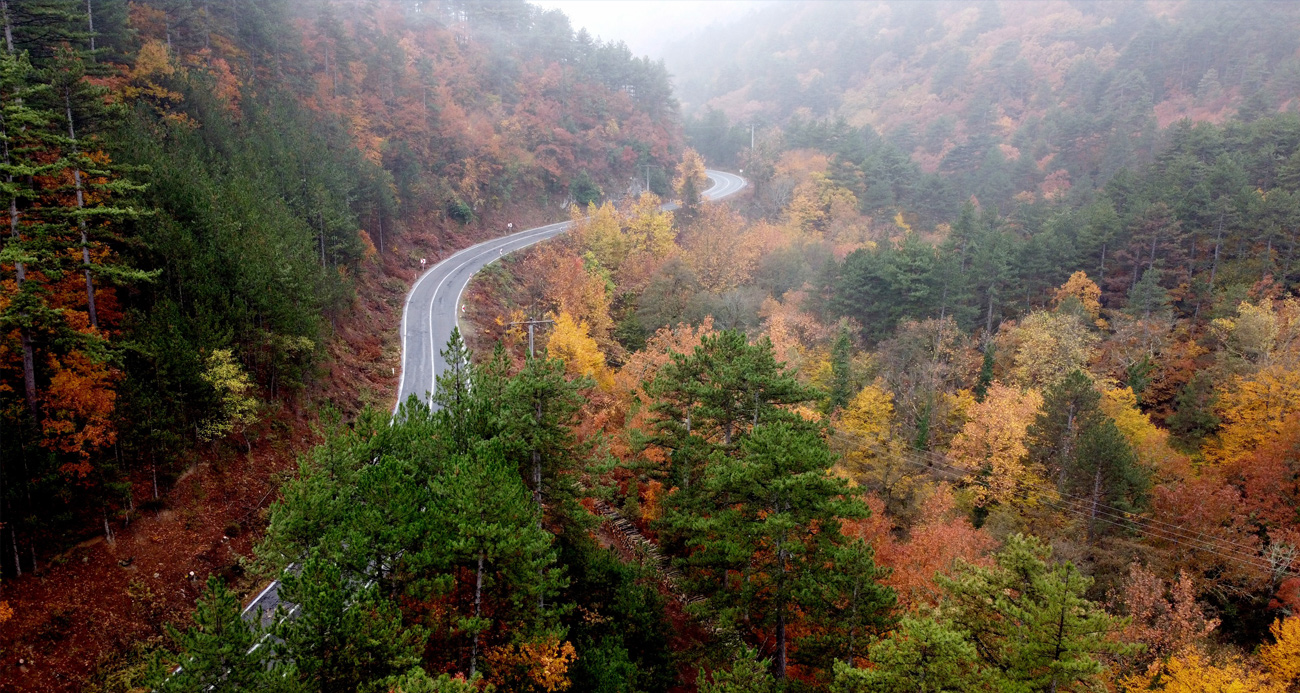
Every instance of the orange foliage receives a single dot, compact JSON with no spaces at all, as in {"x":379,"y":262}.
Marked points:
{"x":1163,"y":616}
{"x":541,"y":665}
{"x":941,"y":537}
{"x":79,"y":407}
{"x":555,"y":280}
{"x":717,"y":250}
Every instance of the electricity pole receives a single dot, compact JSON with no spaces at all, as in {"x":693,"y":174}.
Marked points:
{"x":532,"y":325}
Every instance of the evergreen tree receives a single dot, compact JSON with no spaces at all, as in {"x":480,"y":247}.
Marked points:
{"x":1086,"y":452}
{"x":342,"y":636}
{"x":747,"y":674}
{"x":723,"y":389}
{"x":466,"y":415}
{"x":758,"y":547}
{"x":493,"y":531}
{"x":841,"y":369}
{"x":1070,"y":407}
{"x":1029,"y":620}
{"x":538,"y":412}
{"x":218,"y":652}
{"x":924,"y":655}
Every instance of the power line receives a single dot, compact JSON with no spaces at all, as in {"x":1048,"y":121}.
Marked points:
{"x":1098,"y":512}
{"x":1250,"y":550}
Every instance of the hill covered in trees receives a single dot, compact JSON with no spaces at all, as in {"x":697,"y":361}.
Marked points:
{"x":984,"y":98}
{"x":1011,"y":408}
{"x":212,"y":211}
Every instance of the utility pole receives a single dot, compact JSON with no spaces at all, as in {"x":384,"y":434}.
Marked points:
{"x":536,"y":454}
{"x":751,"y":137}
{"x":532,"y":325}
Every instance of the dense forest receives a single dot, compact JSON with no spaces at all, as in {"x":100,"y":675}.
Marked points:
{"x":201,"y":194}
{"x":991,"y":382}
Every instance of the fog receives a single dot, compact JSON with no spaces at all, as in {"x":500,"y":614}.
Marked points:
{"x":648,"y":26}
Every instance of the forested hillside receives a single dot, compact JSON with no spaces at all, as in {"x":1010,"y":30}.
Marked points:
{"x":990,"y":383}
{"x":213,"y":209}
{"x":932,"y":102}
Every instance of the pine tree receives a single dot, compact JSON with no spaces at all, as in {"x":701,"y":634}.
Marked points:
{"x":924,"y":655}
{"x":493,"y":531}
{"x":724,"y":388}
{"x":538,"y":411}
{"x":1030,"y":622}
{"x":841,"y":369}
{"x":747,"y":674}
{"x":1078,"y":444}
{"x":1070,"y":407}
{"x":462,"y":410}
{"x":218,"y":652}
{"x":758,"y":544}
{"x":342,"y":635}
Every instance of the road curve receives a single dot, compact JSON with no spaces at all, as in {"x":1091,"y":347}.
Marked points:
{"x":430,"y":313}
{"x":434,"y":301}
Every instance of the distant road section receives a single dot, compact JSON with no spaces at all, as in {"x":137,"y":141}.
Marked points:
{"x":433,"y":305}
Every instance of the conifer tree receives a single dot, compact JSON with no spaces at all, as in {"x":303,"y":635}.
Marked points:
{"x":1030,"y":622}
{"x":492,"y":530}
{"x":924,"y":655}
{"x":1081,"y":446}
{"x":538,"y":411}
{"x":342,"y":635}
{"x":217,"y":653}
{"x":841,"y":369}
{"x":464,"y":412}
{"x":724,"y":388}
{"x":759,"y":542}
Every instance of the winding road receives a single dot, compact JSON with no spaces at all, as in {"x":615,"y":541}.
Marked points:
{"x":431,"y":311}
{"x":433,"y":305}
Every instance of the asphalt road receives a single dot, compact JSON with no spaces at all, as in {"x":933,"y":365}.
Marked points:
{"x":433,"y":305}
{"x":431,"y":311}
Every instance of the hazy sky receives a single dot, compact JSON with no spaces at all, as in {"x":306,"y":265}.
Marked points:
{"x":647,"y":25}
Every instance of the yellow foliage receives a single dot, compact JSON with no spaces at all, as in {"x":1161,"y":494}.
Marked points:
{"x":690,"y":170}
{"x":993,"y":442}
{"x":1149,"y":441}
{"x":716,"y":249}
{"x":1079,"y":286}
{"x":153,"y":61}
{"x":600,"y":233}
{"x":1191,"y":672}
{"x":1254,"y":409}
{"x":815,"y":201}
{"x":238,"y":404}
{"x":571,"y":341}
{"x":1048,"y":346}
{"x":650,"y":229}
{"x":901,"y":222}
{"x":6,"y":612}
{"x":1283,"y":657}
{"x":869,"y":416}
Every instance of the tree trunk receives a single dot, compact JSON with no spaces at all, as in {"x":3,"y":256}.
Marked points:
{"x":1218,"y":243}
{"x":90,"y":18}
{"x":24,"y":332}
{"x":988,"y":321}
{"x":1096,"y":498}
{"x":9,"y":29}
{"x":780,"y":645}
{"x":18,"y":564}
{"x":478,"y":611}
{"x":81,"y":204}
